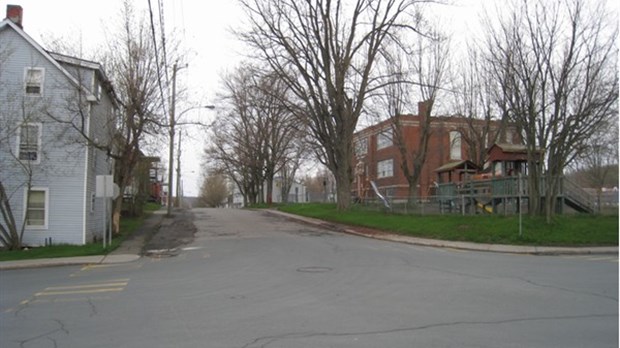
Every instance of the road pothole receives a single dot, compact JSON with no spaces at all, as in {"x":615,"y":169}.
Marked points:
{"x":314,"y":269}
{"x":159,"y":253}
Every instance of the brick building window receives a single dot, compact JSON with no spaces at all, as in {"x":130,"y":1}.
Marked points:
{"x":455,"y":145}
{"x":384,"y":139}
{"x":385,"y":169}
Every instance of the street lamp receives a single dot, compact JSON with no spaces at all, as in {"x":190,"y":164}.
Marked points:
{"x":171,"y":150}
{"x":172,"y":131}
{"x":178,"y":184}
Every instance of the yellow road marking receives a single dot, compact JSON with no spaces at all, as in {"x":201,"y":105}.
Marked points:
{"x":91,"y":291}
{"x":608,"y":258}
{"x":71,"y":299}
{"x":86,"y":286}
{"x":111,"y":286}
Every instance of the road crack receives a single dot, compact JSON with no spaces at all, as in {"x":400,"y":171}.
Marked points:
{"x":47,"y":335}
{"x":568,"y":290}
{"x":265,"y":341}
{"x":93,"y":308}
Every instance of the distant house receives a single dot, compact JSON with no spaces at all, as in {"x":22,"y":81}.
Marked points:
{"x":43,"y":95}
{"x":145,"y":185}
{"x":296,"y":194}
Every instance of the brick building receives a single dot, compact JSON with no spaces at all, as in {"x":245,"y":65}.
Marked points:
{"x":378,"y":158}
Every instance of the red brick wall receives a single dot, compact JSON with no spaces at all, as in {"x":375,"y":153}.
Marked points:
{"x":438,"y":153}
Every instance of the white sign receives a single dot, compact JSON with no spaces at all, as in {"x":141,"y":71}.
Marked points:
{"x":105,"y":186}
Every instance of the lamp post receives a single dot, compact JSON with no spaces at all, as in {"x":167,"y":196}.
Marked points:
{"x":172,"y":132}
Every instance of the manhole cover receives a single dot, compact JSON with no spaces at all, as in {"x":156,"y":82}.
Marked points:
{"x":314,"y":269}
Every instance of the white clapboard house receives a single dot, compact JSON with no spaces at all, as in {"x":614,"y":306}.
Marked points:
{"x":43,"y":96}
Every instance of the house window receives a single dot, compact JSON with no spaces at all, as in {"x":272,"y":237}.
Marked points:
{"x":33,"y":81}
{"x":385,"y":169}
{"x":361,"y":147}
{"x":384,"y":139}
{"x":455,"y":145}
{"x":37,"y":208}
{"x":29,"y":142}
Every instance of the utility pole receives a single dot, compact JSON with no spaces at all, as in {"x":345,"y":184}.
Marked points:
{"x":175,"y":68}
{"x":177,"y":198}
{"x":171,"y":149}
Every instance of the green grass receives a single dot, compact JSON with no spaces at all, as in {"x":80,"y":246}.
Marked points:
{"x":128,"y":226}
{"x":566,"y":230}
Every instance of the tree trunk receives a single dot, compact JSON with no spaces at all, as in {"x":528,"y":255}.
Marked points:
{"x":343,"y":191}
{"x":269,"y":178}
{"x":344,"y":178}
{"x":117,"y":206}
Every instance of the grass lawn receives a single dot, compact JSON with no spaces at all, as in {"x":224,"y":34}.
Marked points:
{"x":566,"y":230}
{"x":128,"y":226}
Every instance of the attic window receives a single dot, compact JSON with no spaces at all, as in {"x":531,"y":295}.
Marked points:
{"x":33,"y":81}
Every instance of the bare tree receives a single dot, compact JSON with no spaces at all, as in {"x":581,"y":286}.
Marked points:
{"x":598,"y":160}
{"x":425,"y":68}
{"x":555,"y":64}
{"x":238,"y":137}
{"x":325,"y":51}
{"x":291,"y":162}
{"x":257,"y":137}
{"x":474,"y":99}
{"x":214,"y":190}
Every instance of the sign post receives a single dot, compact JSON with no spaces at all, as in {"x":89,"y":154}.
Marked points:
{"x":106,"y":189}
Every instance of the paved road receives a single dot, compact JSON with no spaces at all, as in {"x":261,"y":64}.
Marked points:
{"x":253,"y":280}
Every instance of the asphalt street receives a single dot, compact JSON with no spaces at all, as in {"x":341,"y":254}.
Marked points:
{"x":253,"y":279}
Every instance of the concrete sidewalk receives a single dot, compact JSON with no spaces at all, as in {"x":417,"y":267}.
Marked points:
{"x":513,"y":249}
{"x":130,"y":250}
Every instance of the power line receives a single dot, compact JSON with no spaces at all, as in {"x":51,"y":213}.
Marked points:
{"x":154,"y":36}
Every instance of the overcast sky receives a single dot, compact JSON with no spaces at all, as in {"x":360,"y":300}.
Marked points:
{"x":203,"y":27}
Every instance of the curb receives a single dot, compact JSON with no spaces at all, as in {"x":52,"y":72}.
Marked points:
{"x":436,"y":243}
{"x":68,"y":261}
